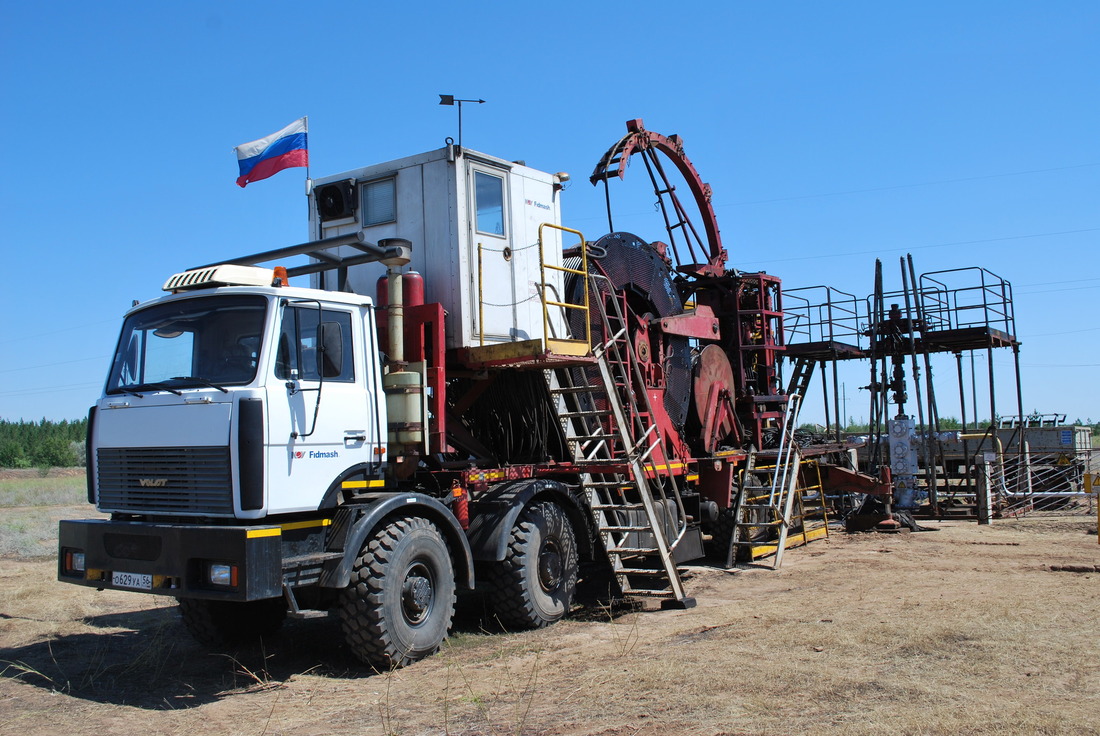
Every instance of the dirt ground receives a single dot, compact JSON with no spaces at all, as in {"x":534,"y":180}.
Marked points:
{"x":966,"y":629}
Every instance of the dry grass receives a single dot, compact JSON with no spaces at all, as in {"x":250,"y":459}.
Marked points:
{"x":30,"y":508}
{"x":35,"y":491}
{"x":965,"y":630}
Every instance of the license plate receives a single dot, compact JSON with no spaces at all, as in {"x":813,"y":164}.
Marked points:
{"x":132,"y":580}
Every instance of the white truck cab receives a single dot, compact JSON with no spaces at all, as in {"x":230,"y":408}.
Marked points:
{"x":209,"y":381}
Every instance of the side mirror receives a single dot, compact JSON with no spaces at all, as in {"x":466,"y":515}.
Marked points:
{"x":130,"y":368}
{"x":330,"y":359}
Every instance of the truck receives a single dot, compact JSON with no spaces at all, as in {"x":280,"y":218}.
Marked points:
{"x":468,"y":396}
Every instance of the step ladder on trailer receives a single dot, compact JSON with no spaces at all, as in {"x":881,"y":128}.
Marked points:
{"x":761,"y":529}
{"x":811,"y":515}
{"x":774,"y":498}
{"x":608,"y":421}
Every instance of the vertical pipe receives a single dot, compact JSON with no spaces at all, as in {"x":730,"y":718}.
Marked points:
{"x":984,"y":498}
{"x":929,"y":473}
{"x":841,"y":421}
{"x":459,"y":123}
{"x":912,"y":345}
{"x":992,"y":390}
{"x":937,"y":457}
{"x":992,"y":431}
{"x":828,"y":321}
{"x":1020,"y":407}
{"x":396,"y":314}
{"x":876,"y":387}
{"x":844,"y":402}
{"x":962,"y":407}
{"x":974,"y":390}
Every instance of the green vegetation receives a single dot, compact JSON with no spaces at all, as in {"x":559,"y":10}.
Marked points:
{"x":26,"y":492}
{"x":30,"y":508}
{"x":43,"y":444}
{"x":1095,"y":430}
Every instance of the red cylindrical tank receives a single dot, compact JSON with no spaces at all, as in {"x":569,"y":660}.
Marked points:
{"x":412,"y":284}
{"x":381,"y":314}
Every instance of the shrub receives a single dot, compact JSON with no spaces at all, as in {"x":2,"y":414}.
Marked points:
{"x":12,"y":455}
{"x":53,"y":452}
{"x":80,"y":452}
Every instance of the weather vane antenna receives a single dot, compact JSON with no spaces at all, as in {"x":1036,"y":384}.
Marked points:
{"x":452,"y":100}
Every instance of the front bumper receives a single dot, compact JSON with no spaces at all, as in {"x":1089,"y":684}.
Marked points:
{"x":172,"y":559}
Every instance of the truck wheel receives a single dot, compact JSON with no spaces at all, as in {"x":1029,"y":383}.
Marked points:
{"x":721,"y":532}
{"x":225,"y":623}
{"x":398,"y":606}
{"x":535,"y":583}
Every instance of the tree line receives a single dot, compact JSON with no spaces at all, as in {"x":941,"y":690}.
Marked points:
{"x":43,"y":444}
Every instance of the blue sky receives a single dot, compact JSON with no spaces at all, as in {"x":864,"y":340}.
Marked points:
{"x":831,"y":133}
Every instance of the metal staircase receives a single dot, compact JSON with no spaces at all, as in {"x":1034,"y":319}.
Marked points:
{"x":800,"y":376}
{"x":635,"y":498}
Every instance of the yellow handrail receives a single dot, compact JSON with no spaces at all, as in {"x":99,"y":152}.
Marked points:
{"x":582,"y":271}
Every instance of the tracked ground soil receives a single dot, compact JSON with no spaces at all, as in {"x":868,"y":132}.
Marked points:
{"x":965,"y":629}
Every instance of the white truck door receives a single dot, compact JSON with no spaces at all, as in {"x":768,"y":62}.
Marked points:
{"x":311,"y":443}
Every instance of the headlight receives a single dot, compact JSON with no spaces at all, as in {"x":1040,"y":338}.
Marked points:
{"x":74,"y":560}
{"x":224,"y":575}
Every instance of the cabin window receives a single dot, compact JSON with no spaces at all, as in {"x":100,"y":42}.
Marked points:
{"x":489,"y":200}
{"x":379,"y":202}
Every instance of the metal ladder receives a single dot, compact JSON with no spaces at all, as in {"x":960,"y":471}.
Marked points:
{"x":810,"y":520}
{"x":639,"y":520}
{"x":801,"y":375}
{"x":770,"y":508}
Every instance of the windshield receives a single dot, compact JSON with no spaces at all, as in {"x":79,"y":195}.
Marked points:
{"x":207,"y":341}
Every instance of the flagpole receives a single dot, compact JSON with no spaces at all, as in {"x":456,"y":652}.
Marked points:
{"x":309,"y":182}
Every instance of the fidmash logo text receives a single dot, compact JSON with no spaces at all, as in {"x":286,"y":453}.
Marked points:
{"x":314,"y":455}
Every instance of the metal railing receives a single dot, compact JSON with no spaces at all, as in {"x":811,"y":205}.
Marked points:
{"x":984,"y":300}
{"x":544,"y":288}
{"x":822,"y":314}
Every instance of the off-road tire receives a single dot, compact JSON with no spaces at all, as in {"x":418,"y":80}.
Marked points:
{"x":723,"y":528}
{"x":535,"y":584}
{"x":219,"y":624}
{"x":398,"y":607}
{"x":721,"y":532}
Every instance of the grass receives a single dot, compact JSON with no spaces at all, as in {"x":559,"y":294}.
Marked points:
{"x":42,"y":492}
{"x":30,"y":509}
{"x":501,"y":705}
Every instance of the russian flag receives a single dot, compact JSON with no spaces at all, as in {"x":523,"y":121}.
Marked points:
{"x":271,"y":154}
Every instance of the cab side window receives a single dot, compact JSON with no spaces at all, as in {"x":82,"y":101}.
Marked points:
{"x":297,"y":351}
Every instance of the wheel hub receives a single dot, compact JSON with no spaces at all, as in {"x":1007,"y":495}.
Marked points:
{"x":416,"y":595}
{"x":550,"y":566}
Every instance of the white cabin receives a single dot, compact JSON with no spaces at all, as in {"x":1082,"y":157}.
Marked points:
{"x":453,"y":204}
